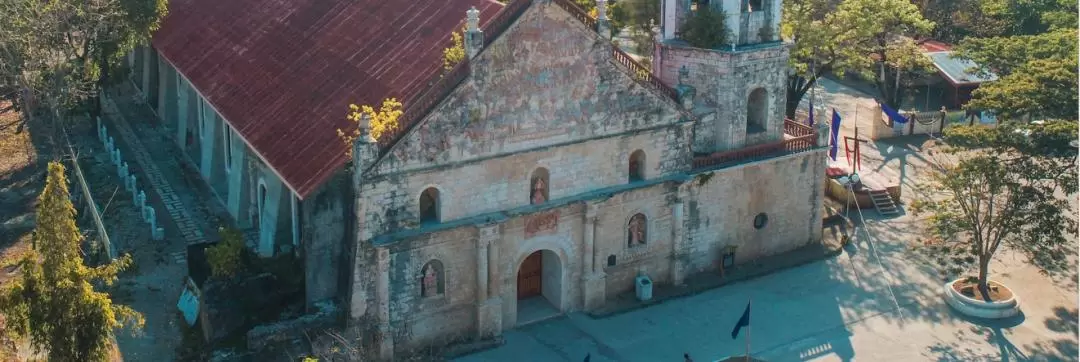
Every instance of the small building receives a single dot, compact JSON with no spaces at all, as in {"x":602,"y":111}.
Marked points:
{"x":959,"y":76}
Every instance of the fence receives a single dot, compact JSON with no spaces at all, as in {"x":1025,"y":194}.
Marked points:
{"x":84,"y":187}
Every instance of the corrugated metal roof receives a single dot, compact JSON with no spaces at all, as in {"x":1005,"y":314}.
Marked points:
{"x":283,"y":72}
{"x":956,"y":70}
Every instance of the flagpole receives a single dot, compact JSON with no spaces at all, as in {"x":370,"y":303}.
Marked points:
{"x":749,"y":305}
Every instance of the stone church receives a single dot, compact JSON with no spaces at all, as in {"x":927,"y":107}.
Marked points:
{"x":546,"y":171}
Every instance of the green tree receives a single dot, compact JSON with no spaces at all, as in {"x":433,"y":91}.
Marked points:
{"x":997,"y":187}
{"x":61,"y":51}
{"x":228,"y":257}
{"x":872,"y":38}
{"x":705,"y":28}
{"x":1037,"y":74}
{"x":54,"y":301}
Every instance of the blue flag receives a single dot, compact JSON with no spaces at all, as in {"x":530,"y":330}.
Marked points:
{"x":892,"y":113}
{"x":833,"y":144}
{"x":744,"y":321}
{"x":811,"y":121}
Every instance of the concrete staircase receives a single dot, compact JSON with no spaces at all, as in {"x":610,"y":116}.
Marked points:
{"x":883,"y":203}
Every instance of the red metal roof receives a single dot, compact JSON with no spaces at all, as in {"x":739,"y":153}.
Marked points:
{"x":283,"y":72}
{"x":930,"y":46}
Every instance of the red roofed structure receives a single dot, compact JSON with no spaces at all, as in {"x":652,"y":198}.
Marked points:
{"x":283,"y":72}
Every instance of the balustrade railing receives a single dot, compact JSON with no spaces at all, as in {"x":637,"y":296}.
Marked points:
{"x":796,"y":129}
{"x":734,"y":157}
{"x":577,"y":12}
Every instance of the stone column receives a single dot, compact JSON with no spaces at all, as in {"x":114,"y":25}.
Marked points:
{"x":488,"y":302}
{"x":593,"y":283}
{"x":382,"y":291}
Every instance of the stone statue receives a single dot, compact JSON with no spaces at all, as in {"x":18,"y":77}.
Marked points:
{"x":538,"y":191}
{"x":430,"y":285}
{"x":636,"y":230}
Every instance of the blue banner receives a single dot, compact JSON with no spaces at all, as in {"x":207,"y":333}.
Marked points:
{"x":893,"y":114}
{"x":835,"y":133}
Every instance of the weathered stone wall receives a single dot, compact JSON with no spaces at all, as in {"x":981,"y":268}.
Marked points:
{"x":653,"y":258}
{"x":475,"y":188}
{"x":547,"y":80}
{"x":324,"y":233}
{"x":723,"y":81}
{"x":789,"y":190}
{"x":421,"y":321}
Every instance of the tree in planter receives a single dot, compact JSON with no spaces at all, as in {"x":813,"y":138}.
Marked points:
{"x":997,"y":188}
{"x":54,"y":301}
{"x":839,"y":36}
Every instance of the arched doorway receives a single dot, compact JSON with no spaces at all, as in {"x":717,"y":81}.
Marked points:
{"x":539,"y":286}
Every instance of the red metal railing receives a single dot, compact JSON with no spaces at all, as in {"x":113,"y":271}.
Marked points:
{"x":796,"y":129}
{"x":419,"y":107}
{"x":577,"y":12}
{"x":733,"y":157}
{"x":503,"y":19}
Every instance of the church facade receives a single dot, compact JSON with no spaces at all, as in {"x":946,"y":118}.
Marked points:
{"x":556,"y":171}
{"x":548,"y":168}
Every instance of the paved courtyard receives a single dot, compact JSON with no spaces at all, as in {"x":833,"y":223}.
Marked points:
{"x":878,"y":301}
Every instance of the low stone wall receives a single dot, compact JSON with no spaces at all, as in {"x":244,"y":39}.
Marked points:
{"x":266,"y":335}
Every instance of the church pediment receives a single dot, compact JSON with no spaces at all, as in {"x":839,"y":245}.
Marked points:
{"x":547,"y":80}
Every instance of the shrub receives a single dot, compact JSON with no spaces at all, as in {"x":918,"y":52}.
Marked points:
{"x":226,"y":259}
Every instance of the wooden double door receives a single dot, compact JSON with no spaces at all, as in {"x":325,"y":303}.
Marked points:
{"x":530,"y":276}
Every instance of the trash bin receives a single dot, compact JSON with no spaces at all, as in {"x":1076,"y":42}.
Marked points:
{"x":643,"y":287}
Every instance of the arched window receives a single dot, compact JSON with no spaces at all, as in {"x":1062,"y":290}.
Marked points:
{"x":429,"y":205}
{"x":754,"y":5}
{"x":261,"y":201}
{"x":757,"y":110}
{"x":636,"y":231}
{"x":637,"y":166}
{"x":538,"y":186}
{"x":431,"y":279}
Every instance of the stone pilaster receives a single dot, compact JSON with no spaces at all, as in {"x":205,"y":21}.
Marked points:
{"x":382,"y":292}
{"x":488,"y":302}
{"x":593,"y":283}
{"x":679,"y":251}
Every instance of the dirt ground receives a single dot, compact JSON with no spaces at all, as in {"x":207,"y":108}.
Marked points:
{"x":150,"y":287}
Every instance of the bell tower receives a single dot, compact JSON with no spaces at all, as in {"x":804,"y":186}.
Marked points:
{"x":739,"y":84}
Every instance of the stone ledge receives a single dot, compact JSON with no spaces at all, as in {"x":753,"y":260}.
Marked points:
{"x":467,"y":348}
{"x":702,"y":282}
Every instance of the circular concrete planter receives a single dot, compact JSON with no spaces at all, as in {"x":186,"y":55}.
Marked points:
{"x":981,"y":309}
